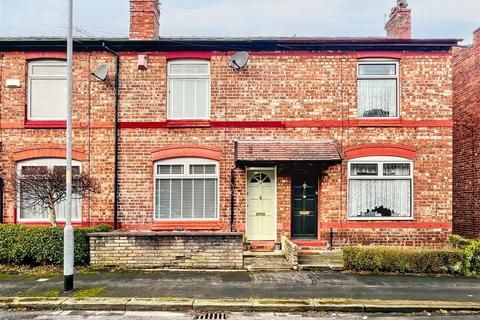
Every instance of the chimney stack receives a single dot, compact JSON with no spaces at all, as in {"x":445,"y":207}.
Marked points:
{"x":399,"y":24}
{"x":144,"y":16}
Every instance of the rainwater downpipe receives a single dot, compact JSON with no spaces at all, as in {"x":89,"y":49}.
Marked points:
{"x":115,"y":179}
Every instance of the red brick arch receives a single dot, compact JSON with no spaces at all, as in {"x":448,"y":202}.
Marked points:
{"x":186,"y":151}
{"x":368,"y":150}
{"x":46,"y":152}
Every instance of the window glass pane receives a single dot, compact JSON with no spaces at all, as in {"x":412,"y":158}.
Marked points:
{"x":170,"y":169}
{"x":176,"y":206}
{"x":60,"y":208}
{"x":189,"y":69}
{"x":197,"y":169}
{"x":396,"y":169}
{"x":379,"y":198}
{"x":34,"y":169}
{"x":190,"y":98}
{"x":187,"y":199}
{"x":163,"y":190}
{"x":210,"y":198}
{"x":377,"y":69}
{"x":48,"y":99}
{"x":364,"y":169}
{"x":202,"y":98}
{"x":377,"y":98}
{"x":198,"y":198}
{"x":176,"y":98}
{"x":210,"y":168}
{"x":49,"y":70}
{"x":30,"y":209}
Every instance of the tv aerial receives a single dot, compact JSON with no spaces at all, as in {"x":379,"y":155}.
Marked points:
{"x":239,"y":60}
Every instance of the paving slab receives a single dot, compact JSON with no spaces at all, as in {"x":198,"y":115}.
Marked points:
{"x":285,"y":305}
{"x":159,"y":304}
{"x":37,"y":303}
{"x":97,"y":304}
{"x":223,"y":305}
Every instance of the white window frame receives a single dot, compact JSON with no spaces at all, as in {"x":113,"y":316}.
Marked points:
{"x":380,"y":160}
{"x":50,"y":163}
{"x":31,"y":77}
{"x":186,"y":162}
{"x":206,"y":76}
{"x":379,"y":77}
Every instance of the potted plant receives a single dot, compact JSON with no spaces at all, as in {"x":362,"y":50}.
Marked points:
{"x":246,"y":244}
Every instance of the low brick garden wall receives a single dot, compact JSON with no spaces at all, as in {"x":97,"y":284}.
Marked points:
{"x":195,"y":250}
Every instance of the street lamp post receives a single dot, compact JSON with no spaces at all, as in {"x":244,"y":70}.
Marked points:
{"x":68,"y":230}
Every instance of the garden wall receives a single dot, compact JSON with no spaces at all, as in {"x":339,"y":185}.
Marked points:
{"x":195,"y":250}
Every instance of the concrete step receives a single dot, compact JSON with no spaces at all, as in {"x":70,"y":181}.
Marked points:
{"x":266,"y":263}
{"x":320,"y":260}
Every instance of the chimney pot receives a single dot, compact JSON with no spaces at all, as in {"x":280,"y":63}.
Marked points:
{"x":399,"y":24}
{"x":144,"y":19}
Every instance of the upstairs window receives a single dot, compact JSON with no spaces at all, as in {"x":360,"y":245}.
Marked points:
{"x":380,"y":188}
{"x":47,"y":90}
{"x":377,"y":88}
{"x":186,"y":188}
{"x":188,"y":89}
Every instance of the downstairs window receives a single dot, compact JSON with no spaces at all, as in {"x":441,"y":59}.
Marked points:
{"x":380,"y":188}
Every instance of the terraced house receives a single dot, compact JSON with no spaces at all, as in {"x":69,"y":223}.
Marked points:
{"x":317,"y":139}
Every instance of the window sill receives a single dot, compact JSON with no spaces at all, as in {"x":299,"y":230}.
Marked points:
{"x":186,"y":225}
{"x":380,"y":122}
{"x":188,"y":123}
{"x":370,"y":219}
{"x":47,"y":223}
{"x":45,"y":124}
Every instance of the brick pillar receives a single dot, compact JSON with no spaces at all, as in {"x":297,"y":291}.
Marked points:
{"x":144,"y":19}
{"x":399,"y":24}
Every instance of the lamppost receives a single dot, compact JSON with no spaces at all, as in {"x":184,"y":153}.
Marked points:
{"x":68,"y":230}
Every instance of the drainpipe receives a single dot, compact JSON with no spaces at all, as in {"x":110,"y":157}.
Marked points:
{"x":115,"y":179}
{"x":232,"y":198}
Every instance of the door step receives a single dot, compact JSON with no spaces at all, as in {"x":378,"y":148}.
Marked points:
{"x":262,"y":246}
{"x":265,"y":261}
{"x":320,"y":260}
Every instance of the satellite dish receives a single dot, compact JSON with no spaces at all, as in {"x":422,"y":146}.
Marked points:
{"x":101,"y":73}
{"x":238,"y":60}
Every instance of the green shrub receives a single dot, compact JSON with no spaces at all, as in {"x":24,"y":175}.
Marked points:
{"x":34,"y":245}
{"x":404,"y":260}
{"x":470,"y":265}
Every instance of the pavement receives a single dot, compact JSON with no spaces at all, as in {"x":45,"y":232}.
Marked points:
{"x":243,"y":291}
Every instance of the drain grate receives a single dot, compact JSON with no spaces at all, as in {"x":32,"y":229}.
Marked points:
{"x":211,"y":316}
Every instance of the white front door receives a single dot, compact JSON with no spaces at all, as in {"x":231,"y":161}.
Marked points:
{"x":261,"y":202}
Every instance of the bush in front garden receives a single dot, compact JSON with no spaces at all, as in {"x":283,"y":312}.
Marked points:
{"x":34,"y":245}
{"x":403,"y":260}
{"x":471,"y":250}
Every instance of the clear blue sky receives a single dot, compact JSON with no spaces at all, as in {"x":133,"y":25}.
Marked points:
{"x":109,"y":18}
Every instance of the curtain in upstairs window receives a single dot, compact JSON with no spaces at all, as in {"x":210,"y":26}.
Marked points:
{"x":377,"y":98}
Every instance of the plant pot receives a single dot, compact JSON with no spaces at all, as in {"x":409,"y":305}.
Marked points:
{"x":278,"y":247}
{"x":245,"y":247}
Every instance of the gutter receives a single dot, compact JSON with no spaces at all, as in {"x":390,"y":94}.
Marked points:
{"x":115,"y":179}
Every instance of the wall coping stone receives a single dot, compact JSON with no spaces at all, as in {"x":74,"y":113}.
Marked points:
{"x":164,"y":234}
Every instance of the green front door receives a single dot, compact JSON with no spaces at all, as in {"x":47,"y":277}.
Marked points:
{"x":304,"y":204}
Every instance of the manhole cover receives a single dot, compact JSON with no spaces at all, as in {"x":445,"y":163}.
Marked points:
{"x":211,"y":316}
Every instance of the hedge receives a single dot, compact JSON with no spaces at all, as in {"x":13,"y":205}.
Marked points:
{"x":470,"y":265}
{"x":34,"y":245}
{"x":403,"y":260}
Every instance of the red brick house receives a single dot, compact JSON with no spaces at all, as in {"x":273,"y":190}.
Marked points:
{"x":352,"y":135}
{"x":466,"y":116}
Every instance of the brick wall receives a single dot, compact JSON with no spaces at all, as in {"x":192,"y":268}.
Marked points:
{"x":312,"y":95}
{"x":466,"y":134}
{"x":167,"y":250}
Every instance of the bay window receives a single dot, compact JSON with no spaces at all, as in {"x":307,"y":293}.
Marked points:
{"x":188,"y":89}
{"x":47,"y":90}
{"x":27,"y":209}
{"x":186,"y":189}
{"x":380,"y":188}
{"x":377,"y":88}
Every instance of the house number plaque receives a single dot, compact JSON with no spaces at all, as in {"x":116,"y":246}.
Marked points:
{"x":260,"y":214}
{"x":304,"y":213}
